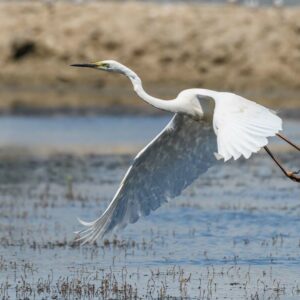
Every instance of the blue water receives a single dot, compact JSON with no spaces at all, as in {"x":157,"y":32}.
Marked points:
{"x":95,"y":134}
{"x":233,"y":234}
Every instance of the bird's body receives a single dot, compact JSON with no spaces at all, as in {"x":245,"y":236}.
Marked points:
{"x":207,"y":126}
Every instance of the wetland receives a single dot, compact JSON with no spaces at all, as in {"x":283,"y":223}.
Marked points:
{"x":233,"y":234}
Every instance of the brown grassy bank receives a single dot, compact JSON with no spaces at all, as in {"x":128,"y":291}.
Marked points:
{"x":255,"y":52}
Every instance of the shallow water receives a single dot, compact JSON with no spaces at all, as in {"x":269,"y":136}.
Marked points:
{"x":100,"y":135}
{"x":233,"y":234}
{"x":79,"y":134}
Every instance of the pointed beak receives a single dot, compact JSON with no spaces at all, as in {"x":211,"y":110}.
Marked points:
{"x":85,"y":65}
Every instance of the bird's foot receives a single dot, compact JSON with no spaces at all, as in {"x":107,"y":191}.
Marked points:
{"x":297,"y":172}
{"x":293,"y":176}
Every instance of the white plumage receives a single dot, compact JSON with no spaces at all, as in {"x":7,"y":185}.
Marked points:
{"x":207,"y":126}
{"x":242,"y":126}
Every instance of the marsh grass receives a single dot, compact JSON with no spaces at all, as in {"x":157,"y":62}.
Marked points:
{"x":234,"y":242}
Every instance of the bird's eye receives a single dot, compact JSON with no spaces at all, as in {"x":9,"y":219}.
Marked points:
{"x":106,"y":66}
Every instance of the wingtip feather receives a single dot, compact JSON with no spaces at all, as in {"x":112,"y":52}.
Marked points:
{"x":84,"y":223}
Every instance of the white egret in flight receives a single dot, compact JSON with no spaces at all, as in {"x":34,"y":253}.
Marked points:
{"x":199,"y":136}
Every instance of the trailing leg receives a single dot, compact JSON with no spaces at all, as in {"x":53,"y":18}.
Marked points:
{"x":291,"y":175}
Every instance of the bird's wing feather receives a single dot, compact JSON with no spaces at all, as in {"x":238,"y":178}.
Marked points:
{"x":242,"y":126}
{"x":166,"y":166}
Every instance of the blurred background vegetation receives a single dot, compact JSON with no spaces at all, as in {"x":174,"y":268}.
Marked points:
{"x":249,"y":47}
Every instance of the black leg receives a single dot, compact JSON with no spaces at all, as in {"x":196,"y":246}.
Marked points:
{"x":288,"y":141}
{"x":291,"y":175}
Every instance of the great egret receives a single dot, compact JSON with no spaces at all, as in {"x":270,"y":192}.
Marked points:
{"x":197,"y":137}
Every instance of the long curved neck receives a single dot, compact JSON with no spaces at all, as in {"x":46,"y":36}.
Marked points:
{"x":168,"y":105}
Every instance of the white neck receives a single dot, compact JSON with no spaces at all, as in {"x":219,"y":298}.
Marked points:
{"x":168,"y":105}
{"x":174,"y":105}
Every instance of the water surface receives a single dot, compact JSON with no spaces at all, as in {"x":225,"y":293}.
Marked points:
{"x":233,"y":234}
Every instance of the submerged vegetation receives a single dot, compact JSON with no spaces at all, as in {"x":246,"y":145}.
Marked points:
{"x":169,"y":283}
{"x":243,"y":245}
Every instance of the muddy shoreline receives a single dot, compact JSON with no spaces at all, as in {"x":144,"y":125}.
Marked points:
{"x":292,"y":114}
{"x":253,"y":52}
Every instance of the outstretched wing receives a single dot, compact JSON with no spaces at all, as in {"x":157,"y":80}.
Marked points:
{"x":166,"y":166}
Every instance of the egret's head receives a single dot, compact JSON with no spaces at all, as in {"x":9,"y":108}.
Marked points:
{"x":105,"y":65}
